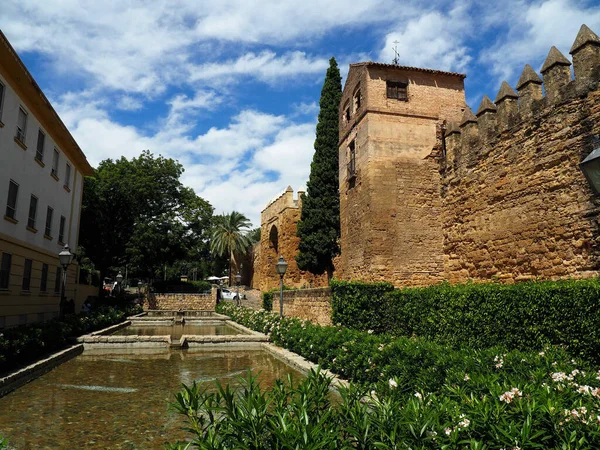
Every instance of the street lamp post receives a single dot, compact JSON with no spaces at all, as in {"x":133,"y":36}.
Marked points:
{"x":140,"y":292}
{"x":119,"y":280}
{"x":65,"y":257}
{"x":238,"y":278}
{"x":281,"y":267}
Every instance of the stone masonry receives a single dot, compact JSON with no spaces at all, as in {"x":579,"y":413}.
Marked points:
{"x":279,"y":222}
{"x":308,"y":304}
{"x":430,"y":191}
{"x":173,"y":302}
{"x":390,"y":206}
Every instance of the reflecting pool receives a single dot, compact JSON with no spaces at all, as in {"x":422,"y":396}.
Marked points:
{"x":118,"y":399}
{"x":177,"y":330}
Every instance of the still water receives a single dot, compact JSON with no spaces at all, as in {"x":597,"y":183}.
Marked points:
{"x":119,"y":399}
{"x":177,"y":330}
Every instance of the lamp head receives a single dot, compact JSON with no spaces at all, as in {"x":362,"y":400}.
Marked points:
{"x":281,"y":266}
{"x":65,"y":257}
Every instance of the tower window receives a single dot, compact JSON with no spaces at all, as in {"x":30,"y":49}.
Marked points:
{"x":357,"y":99}
{"x":352,"y":160}
{"x":397,"y":90}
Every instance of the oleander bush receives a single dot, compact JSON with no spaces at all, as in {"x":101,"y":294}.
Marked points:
{"x":404,"y":393}
{"x":24,"y":344}
{"x":519,"y":316}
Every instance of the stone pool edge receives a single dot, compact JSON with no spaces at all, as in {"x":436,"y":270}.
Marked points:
{"x":35,"y":370}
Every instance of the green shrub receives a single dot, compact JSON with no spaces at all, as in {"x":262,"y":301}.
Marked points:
{"x":25,"y":344}
{"x":267,"y":300}
{"x":422,"y":396}
{"x":518,"y":316}
{"x":358,"y":305}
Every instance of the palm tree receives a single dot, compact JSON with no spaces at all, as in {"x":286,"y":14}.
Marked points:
{"x":230,"y":237}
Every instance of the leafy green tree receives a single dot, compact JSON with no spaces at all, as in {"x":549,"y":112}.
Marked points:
{"x":319,"y":225}
{"x":136,"y":212}
{"x":230,"y":237}
{"x":254,"y":235}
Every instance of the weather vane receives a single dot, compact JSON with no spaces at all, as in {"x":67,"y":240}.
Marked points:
{"x":396,"y":59}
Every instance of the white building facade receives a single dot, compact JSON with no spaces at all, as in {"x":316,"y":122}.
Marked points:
{"x":41,"y":187}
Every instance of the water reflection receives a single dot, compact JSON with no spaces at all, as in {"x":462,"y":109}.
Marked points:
{"x":176,"y":331}
{"x":118,"y":398}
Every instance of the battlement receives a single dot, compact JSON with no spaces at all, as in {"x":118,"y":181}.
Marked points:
{"x":279,"y":203}
{"x":476,"y":135}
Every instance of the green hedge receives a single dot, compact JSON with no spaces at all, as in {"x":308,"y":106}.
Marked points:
{"x":440,"y":397}
{"x":518,"y":316}
{"x":358,"y":305}
{"x":25,"y":344}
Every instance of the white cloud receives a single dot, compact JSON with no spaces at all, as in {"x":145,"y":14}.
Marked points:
{"x":265,"y":66}
{"x":146,"y":46}
{"x":231,"y":167}
{"x":129,"y":103}
{"x":431,"y":40}
{"x":536,"y":29}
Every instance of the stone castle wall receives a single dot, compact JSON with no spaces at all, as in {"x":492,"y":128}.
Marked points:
{"x":440,"y":193}
{"x":308,"y":304}
{"x":516,"y":205}
{"x":279,"y":222}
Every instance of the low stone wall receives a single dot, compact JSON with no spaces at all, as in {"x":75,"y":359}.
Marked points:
{"x":310,"y":304}
{"x":37,"y":369}
{"x":180,"y":301}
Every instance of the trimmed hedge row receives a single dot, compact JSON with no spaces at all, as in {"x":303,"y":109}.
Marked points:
{"x":439,"y":397}
{"x":519,"y":316}
{"x":357,"y":305}
{"x":24,"y":344}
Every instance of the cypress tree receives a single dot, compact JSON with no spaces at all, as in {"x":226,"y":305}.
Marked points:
{"x":319,"y":225}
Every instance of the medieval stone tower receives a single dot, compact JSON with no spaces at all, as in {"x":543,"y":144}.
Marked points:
{"x":391,"y":126}
{"x":430,"y":191}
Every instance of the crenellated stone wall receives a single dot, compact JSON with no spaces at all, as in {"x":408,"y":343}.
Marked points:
{"x":515,"y":204}
{"x":439,"y":193}
{"x":308,"y":304}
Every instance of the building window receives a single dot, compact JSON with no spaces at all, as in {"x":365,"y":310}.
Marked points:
{"x":346,"y":113}
{"x":44,"y":280}
{"x":21,"y":125}
{"x":68,"y":176}
{"x":352,"y":160}
{"x":357,"y":101}
{"x":55,"y":159}
{"x":48,"y":231}
{"x":61,"y":230}
{"x":27,"y":275}
{"x":57,"y":281}
{"x":1,"y":99}
{"x":39,"y":152}
{"x":397,"y":90}
{"x":11,"y":202}
{"x":5,"y":270}
{"x":32,"y":212}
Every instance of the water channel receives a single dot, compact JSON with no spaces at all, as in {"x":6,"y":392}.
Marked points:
{"x":178,"y":330}
{"x":118,"y":398}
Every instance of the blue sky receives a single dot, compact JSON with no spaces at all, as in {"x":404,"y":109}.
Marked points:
{"x":231,"y":88}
